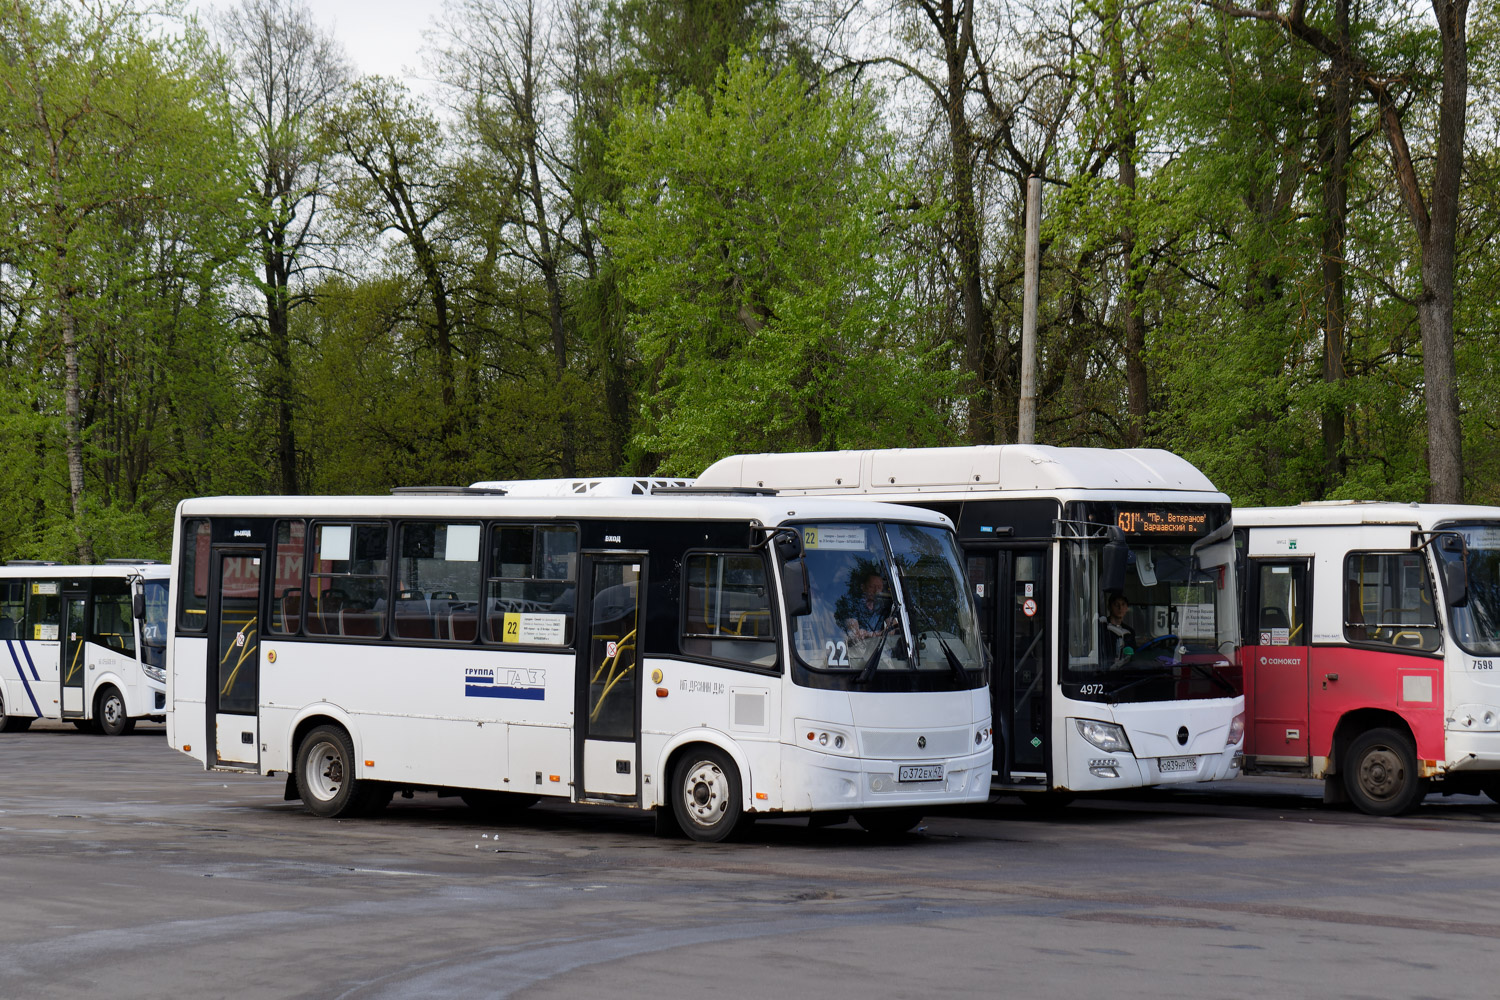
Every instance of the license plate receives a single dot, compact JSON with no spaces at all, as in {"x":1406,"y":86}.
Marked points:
{"x":1170,"y":764}
{"x":920,"y":772}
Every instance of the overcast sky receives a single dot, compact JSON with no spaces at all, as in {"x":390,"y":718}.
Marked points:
{"x":379,"y":36}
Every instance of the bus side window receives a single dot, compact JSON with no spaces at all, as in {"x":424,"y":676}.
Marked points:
{"x":437,"y":590}
{"x":1388,"y":596}
{"x":13,"y":609}
{"x":44,"y":611}
{"x":113,"y":626}
{"x":532,"y":591}
{"x":726,"y":607}
{"x":192,"y":580}
{"x":286,"y":585}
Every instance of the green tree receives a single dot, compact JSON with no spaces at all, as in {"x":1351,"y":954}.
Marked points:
{"x":758,"y":249}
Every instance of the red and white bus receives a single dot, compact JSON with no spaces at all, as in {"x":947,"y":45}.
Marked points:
{"x":1372,"y":648}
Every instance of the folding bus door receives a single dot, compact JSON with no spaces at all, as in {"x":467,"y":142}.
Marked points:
{"x":233,"y":682}
{"x":73,"y":666}
{"x":608,"y":676}
{"x":1010,"y":593}
{"x":1275,"y":661}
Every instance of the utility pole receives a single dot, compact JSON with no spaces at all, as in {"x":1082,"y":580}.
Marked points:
{"x":1026,"y":424}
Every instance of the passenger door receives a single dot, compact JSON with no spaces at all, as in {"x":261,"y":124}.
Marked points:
{"x":610,"y":617}
{"x":1276,"y":661}
{"x":73,"y":649}
{"x":1010,"y":591}
{"x":232,"y":689}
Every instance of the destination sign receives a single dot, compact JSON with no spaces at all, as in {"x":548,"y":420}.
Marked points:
{"x":1162,"y":522}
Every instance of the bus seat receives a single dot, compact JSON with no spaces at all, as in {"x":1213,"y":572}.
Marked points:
{"x":291,"y":609}
{"x":463,"y":623}
{"x":7,"y":628}
{"x":359,"y":622}
{"x":413,"y":618}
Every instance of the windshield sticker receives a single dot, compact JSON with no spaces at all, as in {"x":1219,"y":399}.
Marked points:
{"x":1483,"y":538}
{"x":46,"y":633}
{"x":488,"y":682}
{"x":44,"y":589}
{"x":534,"y":629}
{"x":845,"y":539}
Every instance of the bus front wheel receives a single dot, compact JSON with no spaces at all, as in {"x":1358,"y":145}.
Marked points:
{"x":325,"y":776}
{"x":1380,"y":773}
{"x":109,"y":713}
{"x":706,"y":794}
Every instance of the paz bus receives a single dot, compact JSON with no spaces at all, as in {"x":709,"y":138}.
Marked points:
{"x":83,"y":643}
{"x":679,"y":653}
{"x":1372,"y":654}
{"x":1053,"y":538}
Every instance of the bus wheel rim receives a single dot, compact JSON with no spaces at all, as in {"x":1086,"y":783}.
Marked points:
{"x":705,"y":791}
{"x":1381,"y":773}
{"x":325,"y":769}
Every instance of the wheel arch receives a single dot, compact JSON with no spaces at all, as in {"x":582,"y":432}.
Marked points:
{"x":681,"y":745}
{"x":1361,"y":720}
{"x":316,"y":715}
{"x":110,"y":679}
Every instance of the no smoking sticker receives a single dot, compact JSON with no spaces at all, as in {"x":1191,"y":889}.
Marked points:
{"x":1028,"y":608}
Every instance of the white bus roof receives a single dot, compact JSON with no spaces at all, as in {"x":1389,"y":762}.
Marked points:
{"x":599,"y":486}
{"x":956,"y":472}
{"x":1348,"y":512}
{"x":769,"y":510}
{"x":146,"y":568}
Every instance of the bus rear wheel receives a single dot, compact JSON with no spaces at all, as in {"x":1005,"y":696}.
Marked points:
{"x":325,"y":776}
{"x":1380,"y":773}
{"x":706,"y":795}
{"x":109,"y":713}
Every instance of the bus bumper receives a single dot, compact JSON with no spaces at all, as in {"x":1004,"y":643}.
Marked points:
{"x":827,"y":782}
{"x":1092,"y":770}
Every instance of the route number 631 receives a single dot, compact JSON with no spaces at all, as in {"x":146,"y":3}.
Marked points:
{"x":838,"y":653}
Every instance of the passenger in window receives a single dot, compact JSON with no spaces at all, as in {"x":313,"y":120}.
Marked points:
{"x":866,"y":610}
{"x":1122,"y":636}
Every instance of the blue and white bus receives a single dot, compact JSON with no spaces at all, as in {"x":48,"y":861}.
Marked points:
{"x":85,"y":644}
{"x":689,"y":654}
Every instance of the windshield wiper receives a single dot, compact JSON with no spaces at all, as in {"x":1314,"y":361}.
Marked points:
{"x":868,"y":669}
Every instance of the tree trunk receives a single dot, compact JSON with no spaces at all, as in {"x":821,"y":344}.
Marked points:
{"x":1134,"y":325}
{"x":1335,"y":163}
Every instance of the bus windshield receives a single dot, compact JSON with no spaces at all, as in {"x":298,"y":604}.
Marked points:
{"x":889,"y":609}
{"x":1476,"y":624}
{"x":1168,"y":635}
{"x":154,"y":628}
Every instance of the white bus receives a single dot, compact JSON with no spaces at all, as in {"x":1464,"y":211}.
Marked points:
{"x":1086,"y":700}
{"x":1372,"y":649}
{"x":83,"y":643}
{"x":686,"y":654}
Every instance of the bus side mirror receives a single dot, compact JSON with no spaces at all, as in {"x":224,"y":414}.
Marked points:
{"x":798,"y":601}
{"x":138,"y":605}
{"x":788,"y":545}
{"x":1116,"y":560}
{"x":1454,"y":569}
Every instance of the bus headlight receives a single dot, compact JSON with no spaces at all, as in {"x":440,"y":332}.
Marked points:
{"x":1236,"y":730}
{"x":1105,"y":735}
{"x":155,"y":673}
{"x":825,"y":738}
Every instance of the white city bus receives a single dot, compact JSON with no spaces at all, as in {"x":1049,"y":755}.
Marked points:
{"x":1051,"y":537}
{"x":678,"y":653}
{"x":1372,"y":649}
{"x":83,"y":643}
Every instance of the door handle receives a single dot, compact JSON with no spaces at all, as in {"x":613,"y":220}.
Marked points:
{"x":1330,"y":677}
